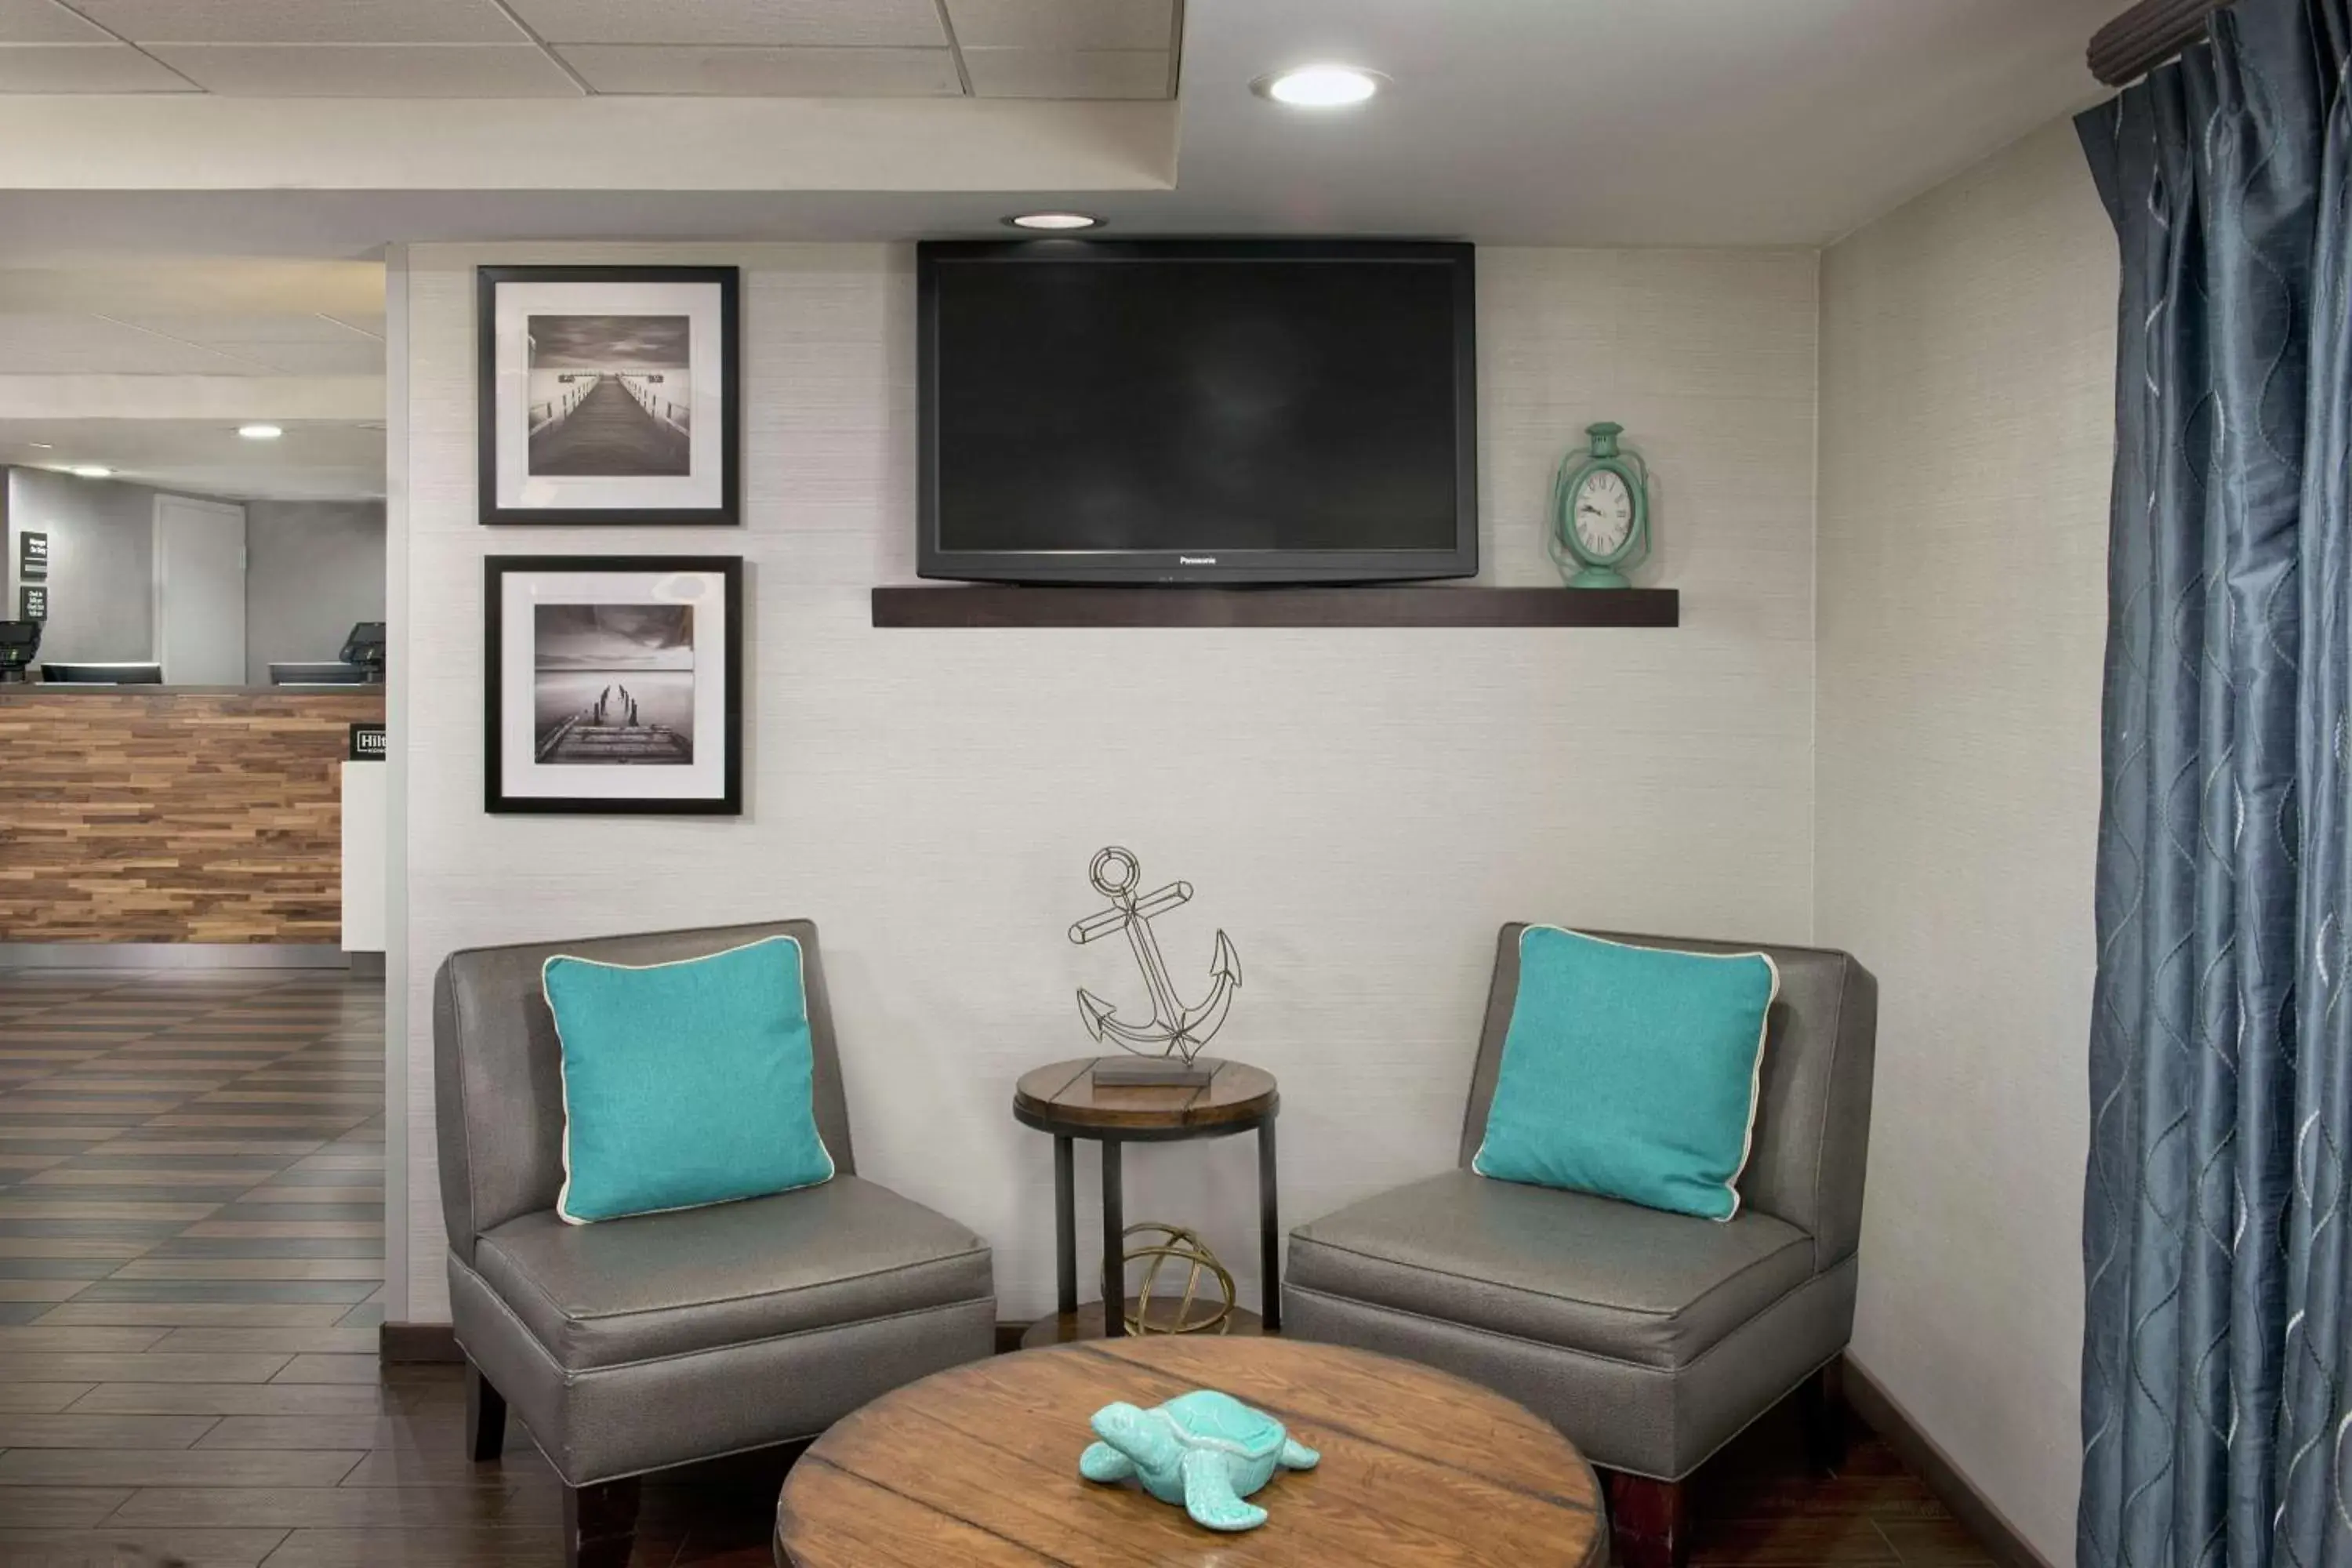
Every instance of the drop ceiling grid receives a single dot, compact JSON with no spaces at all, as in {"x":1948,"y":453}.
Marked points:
{"x":41,"y":343}
{"x":138,"y":344}
{"x":989,"y":48}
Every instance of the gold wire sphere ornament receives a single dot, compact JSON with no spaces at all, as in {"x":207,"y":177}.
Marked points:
{"x":1176,"y":1245}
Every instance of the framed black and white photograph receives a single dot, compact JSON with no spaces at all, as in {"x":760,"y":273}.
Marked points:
{"x":614,"y":684}
{"x":608,"y":394}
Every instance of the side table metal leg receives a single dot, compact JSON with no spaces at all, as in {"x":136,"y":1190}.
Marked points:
{"x":1065,"y":1226}
{"x":1114,"y":1266}
{"x":1269,"y":1231}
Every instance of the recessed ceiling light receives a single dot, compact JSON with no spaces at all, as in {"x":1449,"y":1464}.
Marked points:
{"x":259,"y":432}
{"x":1055,"y":222}
{"x":1321,"y":86}
{"x":40,"y":445}
{"x":90,"y":471}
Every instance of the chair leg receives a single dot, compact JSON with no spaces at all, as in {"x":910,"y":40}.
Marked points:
{"x":1821,"y":1407}
{"x":1649,"y":1521}
{"x":600,"y":1524}
{"x":485,"y":1415}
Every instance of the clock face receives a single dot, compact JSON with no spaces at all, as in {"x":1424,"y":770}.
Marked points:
{"x":1603,"y":513}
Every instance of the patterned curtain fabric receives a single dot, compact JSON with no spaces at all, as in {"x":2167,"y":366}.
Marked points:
{"x":2217,"y":1421}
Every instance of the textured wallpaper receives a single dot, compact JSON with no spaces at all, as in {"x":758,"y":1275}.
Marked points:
{"x":1359,"y":809}
{"x":1968,"y":426}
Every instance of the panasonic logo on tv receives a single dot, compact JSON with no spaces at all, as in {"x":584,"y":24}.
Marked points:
{"x":1196,"y":561}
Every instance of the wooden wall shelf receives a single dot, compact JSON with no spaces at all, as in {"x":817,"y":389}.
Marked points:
{"x":1417,"y":604}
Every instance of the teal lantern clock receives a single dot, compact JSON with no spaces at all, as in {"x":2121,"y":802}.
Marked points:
{"x":1601,"y":511}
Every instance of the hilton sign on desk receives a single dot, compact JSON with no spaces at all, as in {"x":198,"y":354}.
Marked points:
{"x":367,"y":743}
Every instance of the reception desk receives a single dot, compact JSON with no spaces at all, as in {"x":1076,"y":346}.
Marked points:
{"x":165,"y":813}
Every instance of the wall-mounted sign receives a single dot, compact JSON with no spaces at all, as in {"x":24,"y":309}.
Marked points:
{"x":32,"y":554}
{"x":33,"y":602}
{"x":367,"y":743}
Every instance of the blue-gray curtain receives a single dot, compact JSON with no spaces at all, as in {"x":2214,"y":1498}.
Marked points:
{"x":2217,"y":1422}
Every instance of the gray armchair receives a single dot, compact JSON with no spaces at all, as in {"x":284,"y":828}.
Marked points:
{"x":635,"y":1344}
{"x":1650,"y":1339}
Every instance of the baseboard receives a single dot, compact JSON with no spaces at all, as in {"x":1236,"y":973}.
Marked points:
{"x":413,"y":1344}
{"x":1922,"y":1456}
{"x":171,"y":955}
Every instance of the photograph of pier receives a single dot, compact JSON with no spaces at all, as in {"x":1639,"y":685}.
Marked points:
{"x":611,"y":396}
{"x":614,"y":684}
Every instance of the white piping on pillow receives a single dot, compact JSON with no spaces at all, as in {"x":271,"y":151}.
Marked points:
{"x":799,"y":971}
{"x":1755,"y":1073}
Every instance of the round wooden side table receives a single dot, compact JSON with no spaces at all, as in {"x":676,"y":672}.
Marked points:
{"x":978,"y":1465}
{"x":1064,"y":1100}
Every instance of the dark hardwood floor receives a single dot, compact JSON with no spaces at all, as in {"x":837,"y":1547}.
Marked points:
{"x":190,"y":1270}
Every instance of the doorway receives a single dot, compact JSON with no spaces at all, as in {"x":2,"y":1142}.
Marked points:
{"x":200,"y":591}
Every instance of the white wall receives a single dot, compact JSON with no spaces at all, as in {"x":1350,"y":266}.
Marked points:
{"x":313,"y":568}
{"x":101,"y":564}
{"x":1968,"y":417}
{"x":1358,"y":808}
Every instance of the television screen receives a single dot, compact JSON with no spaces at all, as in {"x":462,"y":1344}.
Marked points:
{"x":1260,"y":411}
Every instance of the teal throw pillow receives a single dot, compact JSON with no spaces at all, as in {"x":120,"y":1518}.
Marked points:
{"x":687,"y":1083}
{"x":1629,"y":1071}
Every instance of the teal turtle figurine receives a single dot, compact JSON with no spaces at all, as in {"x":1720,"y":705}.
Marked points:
{"x":1204,"y":1449}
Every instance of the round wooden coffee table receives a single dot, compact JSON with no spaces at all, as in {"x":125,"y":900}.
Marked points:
{"x":979,"y":1465}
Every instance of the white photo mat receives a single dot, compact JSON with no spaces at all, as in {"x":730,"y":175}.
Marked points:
{"x":702,"y":487}
{"x":523,"y":777}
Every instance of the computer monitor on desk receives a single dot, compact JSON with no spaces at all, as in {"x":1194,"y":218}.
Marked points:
{"x":364,"y":647}
{"x":103,"y":674}
{"x":324,"y":672}
{"x":19,"y":641}
{"x":360,"y":664}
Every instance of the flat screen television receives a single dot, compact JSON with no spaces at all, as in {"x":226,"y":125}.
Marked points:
{"x":1269,"y":411}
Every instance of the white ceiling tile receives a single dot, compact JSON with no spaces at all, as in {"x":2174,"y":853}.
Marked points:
{"x":860,"y":23}
{"x":316,"y":459}
{"x":352,"y":356}
{"x":82,"y":67}
{"x":1063,"y":24}
{"x":291,"y":328}
{"x":371,"y":70}
{"x":46,"y":344}
{"x":742,"y":72}
{"x":1067,"y":73}
{"x":305,"y":21}
{"x":45,"y":22}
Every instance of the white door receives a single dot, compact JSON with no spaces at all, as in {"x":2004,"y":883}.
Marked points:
{"x":200,"y":591}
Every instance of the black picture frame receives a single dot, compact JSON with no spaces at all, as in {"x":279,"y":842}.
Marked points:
{"x":495,"y":798}
{"x":728,"y":513}
{"x":33,"y":602}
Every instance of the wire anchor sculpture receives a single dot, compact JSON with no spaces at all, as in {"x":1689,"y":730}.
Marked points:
{"x":1176,"y":1029}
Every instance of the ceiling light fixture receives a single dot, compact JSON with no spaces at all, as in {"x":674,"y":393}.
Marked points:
{"x":1057,"y":223}
{"x":90,"y":471}
{"x":41,"y":446}
{"x":1322,"y":86}
{"x":259,"y":432}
